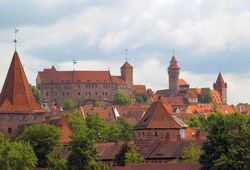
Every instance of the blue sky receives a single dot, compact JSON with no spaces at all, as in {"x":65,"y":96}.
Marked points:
{"x":207,"y":36}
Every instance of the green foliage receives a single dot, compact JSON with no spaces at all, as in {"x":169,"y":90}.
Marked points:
{"x":97,"y":128}
{"x":199,"y":121}
{"x":94,"y":165}
{"x":37,"y":94}
{"x":82,"y":151}
{"x":192,"y":153}
{"x":56,"y":161}
{"x":122,"y":99}
{"x":133,"y":157}
{"x":206,"y":97}
{"x":43,"y":138}
{"x":228,"y":144}
{"x":16,"y":155}
{"x":121,"y":129}
{"x":141,"y":98}
{"x":76,"y":121}
{"x":68,"y":104}
{"x":98,"y":104}
{"x":120,"y":157}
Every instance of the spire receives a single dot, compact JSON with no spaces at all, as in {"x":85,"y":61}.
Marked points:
{"x":127,"y":65}
{"x":220,"y":81}
{"x":16,"y":95}
{"x":173,"y":63}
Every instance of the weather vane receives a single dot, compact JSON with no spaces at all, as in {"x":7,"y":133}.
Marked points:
{"x":15,"y":40}
{"x":126,"y":50}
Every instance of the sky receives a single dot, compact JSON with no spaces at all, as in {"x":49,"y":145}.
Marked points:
{"x":207,"y":37}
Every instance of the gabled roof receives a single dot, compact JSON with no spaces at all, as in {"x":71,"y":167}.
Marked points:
{"x":158,"y":117}
{"x":182,"y":82}
{"x":220,"y":81}
{"x":127,"y":65}
{"x":16,"y":95}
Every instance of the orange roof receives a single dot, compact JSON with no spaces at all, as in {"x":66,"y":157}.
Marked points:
{"x":182,"y":82}
{"x":173,"y":60}
{"x":200,"y":108}
{"x":139,"y":89}
{"x":173,"y":63}
{"x":216,"y":96}
{"x":16,"y":95}
{"x":126,"y":65}
{"x":54,"y":76}
{"x":226,"y":109}
{"x":118,"y":80}
{"x":158,"y":117}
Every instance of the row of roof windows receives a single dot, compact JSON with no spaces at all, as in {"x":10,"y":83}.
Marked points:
{"x":79,"y":93}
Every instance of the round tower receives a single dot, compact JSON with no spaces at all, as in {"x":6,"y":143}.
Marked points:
{"x":173,"y":74}
{"x":127,"y":73}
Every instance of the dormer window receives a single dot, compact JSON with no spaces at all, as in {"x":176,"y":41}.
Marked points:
{"x":10,"y":117}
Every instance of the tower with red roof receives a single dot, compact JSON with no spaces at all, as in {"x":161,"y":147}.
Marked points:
{"x":127,"y":73}
{"x":221,"y":86}
{"x":17,"y":104}
{"x":173,"y":74}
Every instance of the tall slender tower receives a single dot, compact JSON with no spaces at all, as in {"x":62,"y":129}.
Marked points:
{"x":127,"y":73}
{"x":221,"y":87}
{"x":173,"y":74}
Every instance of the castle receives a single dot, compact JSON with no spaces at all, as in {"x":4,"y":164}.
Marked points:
{"x":82,"y":86}
{"x":179,"y":88}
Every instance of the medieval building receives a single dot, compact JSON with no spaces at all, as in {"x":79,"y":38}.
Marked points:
{"x":17,"y":104}
{"x":180,"y":92}
{"x":82,"y":86}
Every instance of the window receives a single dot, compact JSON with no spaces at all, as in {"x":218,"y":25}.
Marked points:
{"x":47,"y":93}
{"x":156,"y":134}
{"x":79,"y":94}
{"x":63,"y":93}
{"x":106,"y":93}
{"x":67,"y":93}
{"x":86,"y":93}
{"x":89,"y":93}
{"x":9,"y":130}
{"x":34,"y":117}
{"x":96,"y":93}
{"x":9,"y":117}
{"x":21,"y":117}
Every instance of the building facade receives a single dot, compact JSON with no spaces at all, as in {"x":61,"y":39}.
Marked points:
{"x":17,"y":104}
{"x":82,"y":86}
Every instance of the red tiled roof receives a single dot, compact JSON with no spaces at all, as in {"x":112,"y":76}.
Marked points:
{"x":158,"y":166}
{"x":118,"y":80}
{"x":200,"y":108}
{"x":182,"y":82}
{"x":54,"y":76}
{"x":16,"y":95}
{"x":173,"y":60}
{"x":226,"y":109}
{"x":244,"y":108}
{"x":216,"y":96}
{"x":176,"y":66}
{"x":105,"y":112}
{"x":157,"y":117}
{"x":126,"y":65}
{"x":139,"y":89}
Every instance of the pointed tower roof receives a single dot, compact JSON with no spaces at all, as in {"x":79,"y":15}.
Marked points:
{"x":173,"y":63}
{"x":127,"y":65}
{"x":220,"y":81}
{"x":16,"y":95}
{"x":158,"y":117}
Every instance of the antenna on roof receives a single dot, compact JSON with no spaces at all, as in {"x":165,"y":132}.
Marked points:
{"x":74,"y":62}
{"x":173,"y":52}
{"x":126,"y":51}
{"x":15,"y":40}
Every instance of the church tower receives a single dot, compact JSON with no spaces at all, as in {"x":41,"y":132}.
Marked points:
{"x":127,"y":73}
{"x":221,"y":87}
{"x":173,"y":74}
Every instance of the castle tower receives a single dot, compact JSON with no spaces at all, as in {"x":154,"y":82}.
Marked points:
{"x":173,"y":74}
{"x":221,"y":87}
{"x":127,"y":73}
{"x":17,"y":103}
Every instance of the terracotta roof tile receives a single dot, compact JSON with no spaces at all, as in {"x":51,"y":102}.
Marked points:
{"x":16,"y":95}
{"x":157,"y":117}
{"x":118,"y":80}
{"x":182,"y":82}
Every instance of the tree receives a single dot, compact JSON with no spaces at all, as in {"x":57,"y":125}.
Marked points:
{"x":133,"y":157}
{"x":228,"y":144}
{"x":36,"y":93}
{"x":82,"y":152}
{"x":97,"y":128}
{"x":192,"y":153}
{"x":68,"y":104}
{"x":16,"y":155}
{"x":122,"y":99}
{"x":120,"y":157}
{"x":199,"y":121}
{"x":56,"y":161}
{"x":141,"y":97}
{"x":121,"y":130}
{"x":43,"y":138}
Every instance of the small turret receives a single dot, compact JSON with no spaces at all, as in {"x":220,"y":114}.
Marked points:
{"x":127,"y":73}
{"x":221,"y":87}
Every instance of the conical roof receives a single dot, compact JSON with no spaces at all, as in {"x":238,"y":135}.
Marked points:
{"x":16,"y":95}
{"x":158,"y":117}
{"x":173,"y":63}
{"x":127,"y":65}
{"x":220,"y":81}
